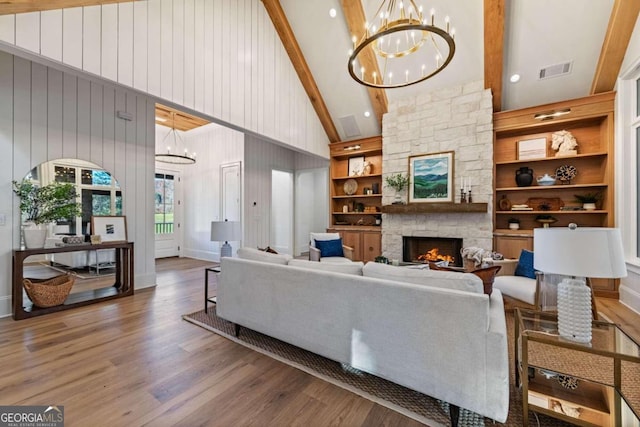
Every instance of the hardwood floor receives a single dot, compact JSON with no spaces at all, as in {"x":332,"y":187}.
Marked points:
{"x":134,"y":361}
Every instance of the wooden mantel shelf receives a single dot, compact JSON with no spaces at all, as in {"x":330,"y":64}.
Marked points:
{"x":419,"y":208}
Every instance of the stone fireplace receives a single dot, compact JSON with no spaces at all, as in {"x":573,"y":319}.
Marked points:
{"x":424,"y":249}
{"x":458,"y":119}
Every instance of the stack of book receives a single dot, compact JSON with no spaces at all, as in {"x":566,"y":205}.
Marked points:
{"x":521,"y":208}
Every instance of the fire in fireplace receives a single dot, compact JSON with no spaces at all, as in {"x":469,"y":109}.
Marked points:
{"x":425,"y":249}
{"x":434,"y":255}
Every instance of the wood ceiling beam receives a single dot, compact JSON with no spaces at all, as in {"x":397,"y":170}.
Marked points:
{"x":8,"y":7}
{"x":494,"y":49}
{"x":281,"y":24}
{"x":356,"y":19}
{"x":621,"y":23}
{"x":176,"y":119}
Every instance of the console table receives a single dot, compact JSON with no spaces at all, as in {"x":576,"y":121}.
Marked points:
{"x":123,"y":282}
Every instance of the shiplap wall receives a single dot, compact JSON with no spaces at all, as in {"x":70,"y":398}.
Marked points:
{"x":215,"y":146}
{"x":47,"y":114}
{"x":219,"y":57}
{"x":260,"y":158}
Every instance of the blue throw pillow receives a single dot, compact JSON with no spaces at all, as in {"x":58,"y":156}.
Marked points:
{"x":330,"y":247}
{"x":525,"y":265}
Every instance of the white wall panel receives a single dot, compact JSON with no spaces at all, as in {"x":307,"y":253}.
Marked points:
{"x":153,"y":46}
{"x":72,"y":36}
{"x":28,"y":31}
{"x":221,"y":57}
{"x":8,"y":233}
{"x":84,"y":120}
{"x":91,"y":34}
{"x":96,"y":124}
{"x":188,"y":63}
{"x":21,"y":117}
{"x":38,"y":113}
{"x":125,"y":43}
{"x":49,"y":114}
{"x":54,"y":114}
{"x":199,"y":55}
{"x":207,"y":88}
{"x":178,"y":44}
{"x":140,"y":40}
{"x":8,"y":28}
{"x":166,"y":43}
{"x":109,"y":47}
{"x":215,"y":145}
{"x":218,"y":59}
{"x":51,"y":34}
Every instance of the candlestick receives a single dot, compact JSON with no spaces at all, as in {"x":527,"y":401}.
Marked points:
{"x":463,"y":197}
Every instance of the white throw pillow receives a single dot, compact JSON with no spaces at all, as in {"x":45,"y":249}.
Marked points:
{"x":440,"y":279}
{"x":256,"y":255}
{"x":346,"y":268}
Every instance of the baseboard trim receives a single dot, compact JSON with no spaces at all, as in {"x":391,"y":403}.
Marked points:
{"x":145,"y":281}
{"x":5,"y":306}
{"x":201,"y":255}
{"x":630,"y":298}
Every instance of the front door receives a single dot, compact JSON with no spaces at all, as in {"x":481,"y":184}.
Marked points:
{"x":167,"y":213}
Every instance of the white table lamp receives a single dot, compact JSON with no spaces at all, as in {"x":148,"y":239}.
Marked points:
{"x":581,"y":253}
{"x":225,"y":231}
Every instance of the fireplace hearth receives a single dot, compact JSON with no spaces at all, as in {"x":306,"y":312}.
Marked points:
{"x":425,"y":249}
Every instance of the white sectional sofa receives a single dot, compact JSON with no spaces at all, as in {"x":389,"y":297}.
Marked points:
{"x":431,"y":331}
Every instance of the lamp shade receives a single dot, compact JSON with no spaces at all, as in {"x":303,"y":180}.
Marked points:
{"x":223,"y":231}
{"x":582,"y":252}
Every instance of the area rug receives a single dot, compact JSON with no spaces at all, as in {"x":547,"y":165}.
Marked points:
{"x":410,"y":403}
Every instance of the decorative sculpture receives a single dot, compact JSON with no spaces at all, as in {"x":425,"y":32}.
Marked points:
{"x":564,"y":143}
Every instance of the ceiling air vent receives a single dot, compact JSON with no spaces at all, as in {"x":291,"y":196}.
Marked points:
{"x":349,"y":126}
{"x":555,"y":70}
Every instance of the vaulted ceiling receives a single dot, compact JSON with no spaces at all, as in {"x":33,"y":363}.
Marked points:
{"x":494,"y":39}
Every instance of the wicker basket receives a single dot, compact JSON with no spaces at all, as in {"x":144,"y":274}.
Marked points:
{"x":49,"y":292}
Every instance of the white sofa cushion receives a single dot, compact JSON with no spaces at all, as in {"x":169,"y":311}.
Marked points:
{"x":256,"y":255}
{"x":518,"y":287}
{"x":440,"y":279}
{"x":341,"y":267}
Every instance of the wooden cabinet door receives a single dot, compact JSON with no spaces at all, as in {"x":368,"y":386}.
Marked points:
{"x":353,"y":239}
{"x":511,"y":246}
{"x":371,"y":245}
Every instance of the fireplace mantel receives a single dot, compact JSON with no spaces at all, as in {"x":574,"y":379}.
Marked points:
{"x":419,"y":208}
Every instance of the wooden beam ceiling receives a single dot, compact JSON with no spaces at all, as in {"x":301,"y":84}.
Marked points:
{"x":21,"y":6}
{"x":281,"y":24}
{"x":621,"y":24}
{"x":356,"y":20}
{"x":177,"y":119}
{"x":494,"y":49}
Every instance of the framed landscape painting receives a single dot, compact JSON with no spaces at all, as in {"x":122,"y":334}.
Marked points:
{"x":431,"y":178}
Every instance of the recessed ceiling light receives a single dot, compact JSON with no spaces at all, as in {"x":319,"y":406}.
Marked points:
{"x":515,"y":78}
{"x":367,"y":114}
{"x":332,"y":13}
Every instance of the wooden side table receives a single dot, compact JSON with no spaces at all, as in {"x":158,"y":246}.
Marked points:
{"x":208,"y":299}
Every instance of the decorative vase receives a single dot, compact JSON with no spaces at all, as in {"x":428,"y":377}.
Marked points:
{"x":397,"y":200}
{"x":524,"y":176}
{"x":589,"y":206}
{"x":34,"y":236}
{"x":514,"y":225}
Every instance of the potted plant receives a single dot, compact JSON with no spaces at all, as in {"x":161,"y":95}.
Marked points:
{"x":588,"y":200}
{"x":398,"y":182}
{"x":514,"y":223}
{"x":44,"y":205}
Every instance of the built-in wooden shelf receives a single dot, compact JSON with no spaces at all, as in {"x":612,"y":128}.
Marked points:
{"x":418,"y":208}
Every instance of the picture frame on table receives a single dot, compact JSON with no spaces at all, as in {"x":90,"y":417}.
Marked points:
{"x":532,"y":149}
{"x":109,"y":228}
{"x":431,"y":177}
{"x":355,"y":166}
